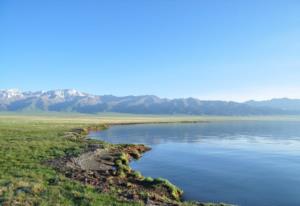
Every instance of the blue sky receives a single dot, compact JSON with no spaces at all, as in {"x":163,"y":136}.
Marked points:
{"x":213,"y":49}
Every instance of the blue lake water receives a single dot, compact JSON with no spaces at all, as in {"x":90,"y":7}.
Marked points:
{"x":246,"y":163}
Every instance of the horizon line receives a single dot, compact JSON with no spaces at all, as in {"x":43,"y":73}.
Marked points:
{"x":169,"y":98}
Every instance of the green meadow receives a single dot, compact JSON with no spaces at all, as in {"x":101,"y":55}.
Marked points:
{"x":27,"y":141}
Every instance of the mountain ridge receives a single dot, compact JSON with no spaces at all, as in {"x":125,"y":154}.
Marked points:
{"x":71,"y":100}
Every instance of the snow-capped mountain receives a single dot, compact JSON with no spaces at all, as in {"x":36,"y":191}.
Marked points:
{"x":71,"y":100}
{"x":10,"y":94}
{"x":15,"y":100}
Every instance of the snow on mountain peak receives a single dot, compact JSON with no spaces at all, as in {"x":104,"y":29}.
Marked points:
{"x":14,"y":94}
{"x":10,"y":93}
{"x":74,"y":92}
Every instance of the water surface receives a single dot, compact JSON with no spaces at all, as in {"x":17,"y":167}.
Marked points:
{"x":246,"y":163}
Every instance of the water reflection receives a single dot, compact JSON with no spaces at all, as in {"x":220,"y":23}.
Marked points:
{"x":242,"y":132}
{"x":247,"y":163}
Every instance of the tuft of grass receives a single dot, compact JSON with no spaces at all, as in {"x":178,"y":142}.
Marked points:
{"x":175,"y":191}
{"x":122,"y":165}
{"x":148,"y":180}
{"x":124,"y":159}
{"x":137,"y":175}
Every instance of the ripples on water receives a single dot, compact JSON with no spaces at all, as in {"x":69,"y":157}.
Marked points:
{"x":246,"y":163}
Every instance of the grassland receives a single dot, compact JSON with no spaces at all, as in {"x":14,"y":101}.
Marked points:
{"x":29,"y":139}
{"x":25,"y":142}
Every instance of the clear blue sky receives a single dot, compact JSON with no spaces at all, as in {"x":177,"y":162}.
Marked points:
{"x":220,"y":49}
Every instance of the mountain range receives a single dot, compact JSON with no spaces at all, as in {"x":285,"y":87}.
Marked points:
{"x":71,"y":100}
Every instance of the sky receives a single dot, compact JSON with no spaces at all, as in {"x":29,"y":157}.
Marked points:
{"x":208,"y":49}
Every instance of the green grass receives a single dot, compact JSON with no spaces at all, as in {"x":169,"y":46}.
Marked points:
{"x":175,"y":191}
{"x":64,"y":117}
{"x":137,"y":175}
{"x":148,"y":179}
{"x":26,"y":142}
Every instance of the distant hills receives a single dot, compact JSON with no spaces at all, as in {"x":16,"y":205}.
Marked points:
{"x":70,"y":100}
{"x":283,"y":104}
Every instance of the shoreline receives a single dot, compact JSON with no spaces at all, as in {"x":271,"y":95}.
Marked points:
{"x":106,"y":166}
{"x":158,"y":122}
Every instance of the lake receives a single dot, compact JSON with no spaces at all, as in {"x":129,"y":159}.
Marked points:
{"x":246,"y":163}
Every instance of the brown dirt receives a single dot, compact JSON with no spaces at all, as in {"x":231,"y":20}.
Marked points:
{"x":97,"y":166}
